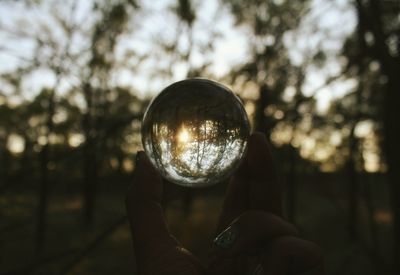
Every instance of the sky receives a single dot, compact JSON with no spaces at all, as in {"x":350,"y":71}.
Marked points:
{"x":320,"y":27}
{"x":229,"y":51}
{"x":326,"y":26}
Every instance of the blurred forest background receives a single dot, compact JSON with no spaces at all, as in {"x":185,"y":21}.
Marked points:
{"x":320,"y":77}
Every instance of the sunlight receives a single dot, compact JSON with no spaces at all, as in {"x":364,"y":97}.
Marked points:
{"x":16,"y":144}
{"x":76,"y":139}
{"x":363,"y":128}
{"x":183,"y":135}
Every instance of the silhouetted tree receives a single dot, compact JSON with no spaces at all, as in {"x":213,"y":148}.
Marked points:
{"x":270,"y":68}
{"x":380,"y":32}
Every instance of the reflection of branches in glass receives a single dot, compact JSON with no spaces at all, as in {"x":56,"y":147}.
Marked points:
{"x":195,"y":133}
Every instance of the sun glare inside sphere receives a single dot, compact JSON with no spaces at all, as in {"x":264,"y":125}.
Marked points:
{"x":195,"y":132}
{"x":183,"y":136}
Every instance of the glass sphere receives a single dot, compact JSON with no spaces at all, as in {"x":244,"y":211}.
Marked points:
{"x":195,"y":132}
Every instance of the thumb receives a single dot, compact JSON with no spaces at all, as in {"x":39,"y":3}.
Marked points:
{"x":151,"y":237}
{"x":254,"y":186}
{"x":265,"y":190}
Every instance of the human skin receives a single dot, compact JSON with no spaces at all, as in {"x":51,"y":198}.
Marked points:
{"x":252,"y":237}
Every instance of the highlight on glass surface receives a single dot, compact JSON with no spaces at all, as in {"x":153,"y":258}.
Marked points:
{"x":195,"y":132}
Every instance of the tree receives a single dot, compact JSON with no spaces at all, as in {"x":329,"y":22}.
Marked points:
{"x":271,"y":69}
{"x":377,"y":25}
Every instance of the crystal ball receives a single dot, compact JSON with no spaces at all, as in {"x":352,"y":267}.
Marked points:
{"x":195,"y":132}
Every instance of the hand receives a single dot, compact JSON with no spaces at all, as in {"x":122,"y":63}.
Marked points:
{"x":252,"y":236}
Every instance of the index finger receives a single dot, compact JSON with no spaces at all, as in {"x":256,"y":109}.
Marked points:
{"x":151,"y":237}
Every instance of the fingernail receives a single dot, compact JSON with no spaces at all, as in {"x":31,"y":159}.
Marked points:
{"x":226,"y":239}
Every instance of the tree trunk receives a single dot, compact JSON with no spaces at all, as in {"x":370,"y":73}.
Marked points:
{"x":90,"y":180}
{"x":89,"y":158}
{"x":392,"y":146}
{"x":379,"y":264}
{"x":41,"y":226}
{"x":292,"y":186}
{"x":4,"y":163}
{"x":370,"y":18}
{"x":353,"y":189}
{"x":391,"y":68}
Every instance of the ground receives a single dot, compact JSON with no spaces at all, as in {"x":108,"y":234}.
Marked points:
{"x":321,"y":217}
